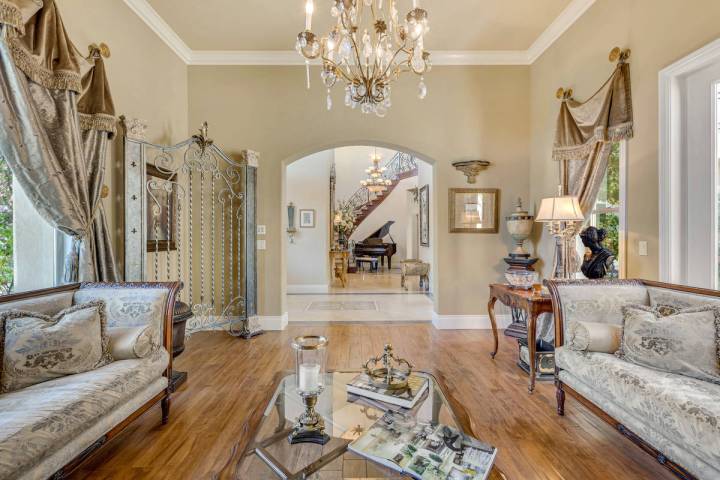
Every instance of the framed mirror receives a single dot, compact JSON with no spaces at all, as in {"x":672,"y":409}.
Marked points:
{"x":473,"y":210}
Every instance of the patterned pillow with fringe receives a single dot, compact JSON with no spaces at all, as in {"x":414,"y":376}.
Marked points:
{"x":38,"y":348}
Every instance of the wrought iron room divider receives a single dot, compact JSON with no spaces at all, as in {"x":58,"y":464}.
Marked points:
{"x":190,"y":216}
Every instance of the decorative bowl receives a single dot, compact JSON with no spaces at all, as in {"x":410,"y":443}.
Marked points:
{"x":521,"y":278}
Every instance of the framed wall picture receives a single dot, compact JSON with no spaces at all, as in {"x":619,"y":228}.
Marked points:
{"x":307,"y":218}
{"x":160,"y":210}
{"x":424,"y":204}
{"x":473,"y":210}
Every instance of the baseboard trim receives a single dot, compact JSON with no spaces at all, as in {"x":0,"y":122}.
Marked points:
{"x":305,"y":289}
{"x":273,"y":322}
{"x":468,"y":322}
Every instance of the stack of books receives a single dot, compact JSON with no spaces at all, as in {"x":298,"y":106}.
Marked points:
{"x":406,"y":398}
{"x":424,"y":451}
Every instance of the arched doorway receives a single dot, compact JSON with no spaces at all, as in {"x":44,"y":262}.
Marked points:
{"x":389,"y":227}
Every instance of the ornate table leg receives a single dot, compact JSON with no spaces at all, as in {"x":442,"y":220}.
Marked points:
{"x":532,"y":346}
{"x":491,"y":314}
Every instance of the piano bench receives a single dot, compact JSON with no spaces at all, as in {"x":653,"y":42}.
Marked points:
{"x":373,"y":261}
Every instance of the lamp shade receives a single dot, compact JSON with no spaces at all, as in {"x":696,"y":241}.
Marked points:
{"x":559,"y":209}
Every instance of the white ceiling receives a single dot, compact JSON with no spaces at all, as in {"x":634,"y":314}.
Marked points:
{"x":264,"y":31}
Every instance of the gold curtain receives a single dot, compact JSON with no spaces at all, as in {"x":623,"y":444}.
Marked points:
{"x":583,"y":142}
{"x":57,"y":126}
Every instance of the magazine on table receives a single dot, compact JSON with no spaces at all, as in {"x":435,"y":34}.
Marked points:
{"x":406,"y":398}
{"x":423,"y":450}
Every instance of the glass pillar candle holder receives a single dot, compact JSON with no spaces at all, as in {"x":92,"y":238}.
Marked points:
{"x":310,"y":352}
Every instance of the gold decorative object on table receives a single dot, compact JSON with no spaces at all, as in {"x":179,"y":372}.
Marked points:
{"x":388,"y":371}
{"x":310,"y":382}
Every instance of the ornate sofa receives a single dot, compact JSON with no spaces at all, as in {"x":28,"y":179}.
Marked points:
{"x":673,"y":417}
{"x":48,"y":429}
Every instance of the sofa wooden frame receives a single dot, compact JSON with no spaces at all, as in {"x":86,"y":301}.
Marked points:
{"x":562,"y":389}
{"x":167,"y":340}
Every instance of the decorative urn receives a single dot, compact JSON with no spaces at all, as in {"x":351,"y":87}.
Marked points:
{"x":520,"y":224}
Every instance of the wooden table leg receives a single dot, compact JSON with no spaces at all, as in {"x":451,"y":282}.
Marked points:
{"x":491,"y":314}
{"x":532,"y":346}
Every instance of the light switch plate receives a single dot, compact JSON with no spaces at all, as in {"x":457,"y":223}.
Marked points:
{"x":261,"y":245}
{"x":642,"y":248}
{"x":261,"y":230}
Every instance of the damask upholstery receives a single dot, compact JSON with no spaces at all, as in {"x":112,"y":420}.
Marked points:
{"x":599,"y":302}
{"x":38,"y":348}
{"x":47,"y":304}
{"x":131,"y":342}
{"x":676,"y":300}
{"x":686,"y":343}
{"x":594,"y":337}
{"x":130,"y":307}
{"x":678,"y":415}
{"x":38,"y":421}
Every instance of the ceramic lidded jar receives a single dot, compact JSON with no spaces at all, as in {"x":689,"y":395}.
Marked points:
{"x":519,"y":224}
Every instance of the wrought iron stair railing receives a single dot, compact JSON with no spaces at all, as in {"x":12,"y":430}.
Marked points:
{"x":363,"y":201}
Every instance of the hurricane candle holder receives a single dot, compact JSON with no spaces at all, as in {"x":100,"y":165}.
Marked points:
{"x":310,"y":382}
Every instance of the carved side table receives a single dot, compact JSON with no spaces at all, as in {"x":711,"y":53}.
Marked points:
{"x":339,"y":266}
{"x":525,"y":300}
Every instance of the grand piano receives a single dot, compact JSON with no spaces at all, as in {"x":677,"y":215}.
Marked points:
{"x":375,"y":246}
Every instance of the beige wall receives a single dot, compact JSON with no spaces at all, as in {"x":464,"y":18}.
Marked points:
{"x":147,"y":80}
{"x":471,"y":112}
{"x":658,"y":32}
{"x":308,"y":187}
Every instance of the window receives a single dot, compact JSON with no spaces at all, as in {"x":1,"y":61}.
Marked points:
{"x":31,"y":251}
{"x":608,"y":212}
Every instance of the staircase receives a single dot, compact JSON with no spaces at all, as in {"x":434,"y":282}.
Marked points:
{"x":400,"y":167}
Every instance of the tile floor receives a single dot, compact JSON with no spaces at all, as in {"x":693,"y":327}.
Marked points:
{"x":369,"y":297}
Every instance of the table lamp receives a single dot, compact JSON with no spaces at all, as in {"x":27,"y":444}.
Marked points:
{"x":562,"y":215}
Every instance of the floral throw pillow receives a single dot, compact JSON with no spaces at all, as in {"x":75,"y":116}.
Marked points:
{"x":686,"y":342}
{"x":38,"y":348}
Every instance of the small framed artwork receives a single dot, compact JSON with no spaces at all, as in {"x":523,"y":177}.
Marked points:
{"x":307,"y":218}
{"x":161,"y":210}
{"x":473,"y":210}
{"x":424,"y":203}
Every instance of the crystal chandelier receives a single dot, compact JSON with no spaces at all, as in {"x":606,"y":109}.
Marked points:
{"x":367,"y":49}
{"x":376,"y":181}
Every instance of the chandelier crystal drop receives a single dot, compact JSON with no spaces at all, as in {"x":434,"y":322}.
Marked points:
{"x":369,"y":47}
{"x":376,"y":180}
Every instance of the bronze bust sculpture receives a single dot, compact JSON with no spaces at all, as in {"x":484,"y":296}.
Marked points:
{"x":599,"y":261}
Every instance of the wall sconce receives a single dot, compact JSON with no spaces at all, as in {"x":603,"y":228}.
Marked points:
{"x":471,"y":168}
{"x":291,"y":230}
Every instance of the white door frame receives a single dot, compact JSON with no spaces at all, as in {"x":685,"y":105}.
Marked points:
{"x":671,"y":156}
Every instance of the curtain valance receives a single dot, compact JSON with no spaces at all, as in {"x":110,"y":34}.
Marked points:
{"x":58,"y":126}
{"x":606,"y":117}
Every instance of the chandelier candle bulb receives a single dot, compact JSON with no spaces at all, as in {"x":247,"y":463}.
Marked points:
{"x":309,"y":9}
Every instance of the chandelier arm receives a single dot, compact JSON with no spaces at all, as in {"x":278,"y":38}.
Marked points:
{"x":352,"y":39}
{"x":337,"y":68}
{"x":392,"y":61}
{"x":357,"y":57}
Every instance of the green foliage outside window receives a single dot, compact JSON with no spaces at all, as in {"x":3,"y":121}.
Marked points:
{"x":608,"y":199}
{"x":6,"y":229}
{"x":611,"y":221}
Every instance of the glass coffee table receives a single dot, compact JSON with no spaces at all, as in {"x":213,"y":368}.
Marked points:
{"x":264,"y":452}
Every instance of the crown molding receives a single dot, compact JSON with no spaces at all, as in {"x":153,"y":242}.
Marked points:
{"x":571,"y":13}
{"x":161,"y":28}
{"x":560,"y":25}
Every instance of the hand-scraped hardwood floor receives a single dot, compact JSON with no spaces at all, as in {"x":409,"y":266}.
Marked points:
{"x":227,"y":376}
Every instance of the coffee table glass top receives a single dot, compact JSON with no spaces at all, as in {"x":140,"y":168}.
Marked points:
{"x":270,"y":456}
